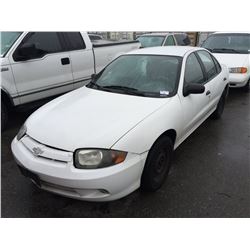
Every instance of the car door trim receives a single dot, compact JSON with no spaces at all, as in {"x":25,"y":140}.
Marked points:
{"x":54,"y":87}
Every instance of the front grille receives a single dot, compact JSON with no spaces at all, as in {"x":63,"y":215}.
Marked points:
{"x":40,"y":150}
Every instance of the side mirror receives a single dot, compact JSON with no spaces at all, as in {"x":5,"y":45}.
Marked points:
{"x":26,"y":51}
{"x":193,"y":88}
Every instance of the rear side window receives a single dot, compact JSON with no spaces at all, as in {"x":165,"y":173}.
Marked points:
{"x":74,"y":41}
{"x":193,"y":71}
{"x":218,"y":67}
{"x":170,"y":41}
{"x":208,"y":63}
{"x":182,"y":39}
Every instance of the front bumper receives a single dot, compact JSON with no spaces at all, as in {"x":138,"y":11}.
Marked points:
{"x":238,"y":80}
{"x":93,"y":185}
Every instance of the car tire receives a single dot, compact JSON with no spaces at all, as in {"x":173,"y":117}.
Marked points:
{"x":220,"y":107}
{"x":246,"y":87}
{"x":157,"y":164}
{"x":4,"y":116}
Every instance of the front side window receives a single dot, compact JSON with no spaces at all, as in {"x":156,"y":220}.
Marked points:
{"x":148,"y":75}
{"x":228,"y":43}
{"x":169,"y":41}
{"x":43,"y":42}
{"x":7,"y":40}
{"x":151,"y":41}
{"x":208,"y":64}
{"x":193,"y":71}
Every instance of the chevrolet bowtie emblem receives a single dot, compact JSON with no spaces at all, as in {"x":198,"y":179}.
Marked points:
{"x":37,"y":151}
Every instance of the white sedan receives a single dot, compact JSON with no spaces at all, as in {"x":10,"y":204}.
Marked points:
{"x":233,"y":50}
{"x":118,"y":133}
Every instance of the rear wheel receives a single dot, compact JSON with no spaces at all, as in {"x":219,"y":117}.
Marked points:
{"x":220,"y":107}
{"x":157,"y":164}
{"x":4,"y":115}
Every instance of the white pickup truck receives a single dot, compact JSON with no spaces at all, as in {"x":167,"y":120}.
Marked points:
{"x":39,"y":65}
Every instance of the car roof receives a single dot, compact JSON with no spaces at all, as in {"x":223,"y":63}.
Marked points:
{"x":165,"y":50}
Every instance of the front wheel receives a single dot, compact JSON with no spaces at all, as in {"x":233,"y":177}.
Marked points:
{"x":157,"y":164}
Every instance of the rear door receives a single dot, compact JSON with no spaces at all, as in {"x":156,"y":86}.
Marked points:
{"x":81,"y":57}
{"x":47,"y":73}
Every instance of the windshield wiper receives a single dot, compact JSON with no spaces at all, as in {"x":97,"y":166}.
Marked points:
{"x":119,"y":87}
{"x":124,"y":89}
{"x":225,"y":50}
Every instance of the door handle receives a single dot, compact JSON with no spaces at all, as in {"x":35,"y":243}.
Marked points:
{"x":65,"y":61}
{"x":208,"y":92}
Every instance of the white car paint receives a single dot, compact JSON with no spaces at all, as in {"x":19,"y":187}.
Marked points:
{"x":90,"y":118}
{"x":233,"y":60}
{"x":36,"y":79}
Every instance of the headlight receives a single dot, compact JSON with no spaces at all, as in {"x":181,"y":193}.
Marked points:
{"x":22,"y":132}
{"x":240,"y":70}
{"x":97,"y":158}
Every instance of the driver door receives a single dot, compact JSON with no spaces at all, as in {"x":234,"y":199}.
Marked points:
{"x":48,"y":73}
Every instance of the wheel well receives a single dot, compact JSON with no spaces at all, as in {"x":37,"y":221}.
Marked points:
{"x":6,"y":99}
{"x":171,"y":133}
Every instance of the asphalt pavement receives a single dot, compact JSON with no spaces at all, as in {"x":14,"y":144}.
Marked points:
{"x":210,"y":176}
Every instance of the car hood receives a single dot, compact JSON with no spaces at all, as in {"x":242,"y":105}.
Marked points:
{"x":89,"y":118}
{"x":233,"y":60}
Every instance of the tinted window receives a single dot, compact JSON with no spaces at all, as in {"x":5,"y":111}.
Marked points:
{"x":193,"y":71}
{"x":169,"y":41}
{"x":208,"y":64}
{"x":45,"y":42}
{"x":75,"y":41}
{"x":182,"y":39}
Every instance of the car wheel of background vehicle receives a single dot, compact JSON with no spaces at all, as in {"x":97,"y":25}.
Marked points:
{"x":4,"y":116}
{"x":246,"y":87}
{"x":220,"y":107}
{"x":157,"y":164}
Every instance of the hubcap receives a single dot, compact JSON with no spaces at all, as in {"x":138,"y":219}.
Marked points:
{"x":160,"y":167}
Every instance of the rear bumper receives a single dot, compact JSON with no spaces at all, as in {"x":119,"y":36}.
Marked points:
{"x":93,"y":185}
{"x":238,"y":80}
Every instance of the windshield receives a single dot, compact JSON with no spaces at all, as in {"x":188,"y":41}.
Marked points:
{"x":147,"y":75}
{"x":151,"y":41}
{"x":7,"y":40}
{"x":228,"y":43}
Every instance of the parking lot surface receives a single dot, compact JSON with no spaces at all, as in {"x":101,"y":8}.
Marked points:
{"x":210,"y":176}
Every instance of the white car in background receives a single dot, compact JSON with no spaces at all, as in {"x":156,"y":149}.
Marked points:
{"x":163,"y":39}
{"x":233,"y":50}
{"x":108,"y":138}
